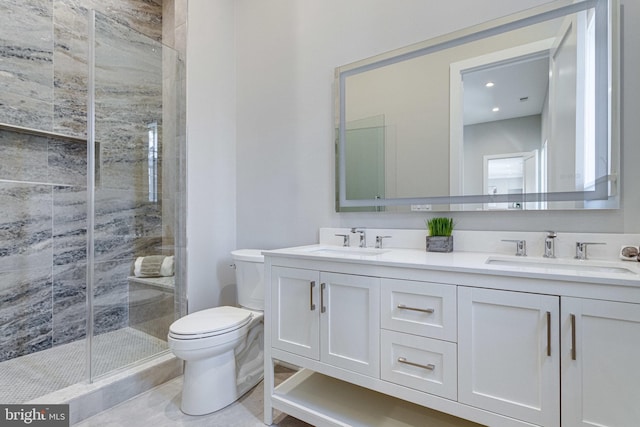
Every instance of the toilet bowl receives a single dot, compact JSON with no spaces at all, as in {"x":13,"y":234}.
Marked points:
{"x":223,"y":347}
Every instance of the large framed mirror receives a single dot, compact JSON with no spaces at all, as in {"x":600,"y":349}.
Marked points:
{"x":518,"y":113}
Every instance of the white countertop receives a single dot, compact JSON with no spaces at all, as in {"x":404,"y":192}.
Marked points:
{"x":620,"y":273}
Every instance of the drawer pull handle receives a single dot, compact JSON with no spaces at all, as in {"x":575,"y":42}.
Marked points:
{"x":429,"y":367}
{"x":422,"y":310}
{"x":323,"y":308}
{"x":312,"y":285}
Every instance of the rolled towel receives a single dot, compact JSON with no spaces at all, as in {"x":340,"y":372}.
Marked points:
{"x":153,"y":266}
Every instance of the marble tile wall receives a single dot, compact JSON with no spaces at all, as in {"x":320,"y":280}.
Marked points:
{"x":42,"y":241}
{"x":128,"y":100}
{"x":43,"y":80}
{"x":71,"y":45}
{"x":26,"y":63}
{"x":44,"y":45}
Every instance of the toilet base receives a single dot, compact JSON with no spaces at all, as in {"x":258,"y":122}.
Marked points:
{"x":209,"y":384}
{"x":218,"y":375}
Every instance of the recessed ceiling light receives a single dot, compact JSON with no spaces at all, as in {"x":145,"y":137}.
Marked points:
{"x":495,"y":109}
{"x":489,"y":84}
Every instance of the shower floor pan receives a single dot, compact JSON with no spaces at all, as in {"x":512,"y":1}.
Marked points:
{"x":28,"y":377}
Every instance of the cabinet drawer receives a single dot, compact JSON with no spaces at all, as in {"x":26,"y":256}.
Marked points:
{"x":420,"y":363}
{"x":419,"y":308}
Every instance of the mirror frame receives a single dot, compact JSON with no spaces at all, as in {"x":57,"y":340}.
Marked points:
{"x":605,"y":195}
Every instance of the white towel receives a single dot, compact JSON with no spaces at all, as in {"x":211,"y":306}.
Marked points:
{"x":154,"y":266}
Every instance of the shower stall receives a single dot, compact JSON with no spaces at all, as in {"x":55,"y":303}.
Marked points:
{"x":92,"y":186}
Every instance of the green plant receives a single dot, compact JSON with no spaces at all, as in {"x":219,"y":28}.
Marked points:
{"x":440,"y":226}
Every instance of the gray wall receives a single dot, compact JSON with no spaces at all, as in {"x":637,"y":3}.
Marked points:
{"x":287,"y":53}
{"x":261,"y":133}
{"x":211,"y":153}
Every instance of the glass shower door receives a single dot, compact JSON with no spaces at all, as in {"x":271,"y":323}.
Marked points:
{"x":134,"y":101}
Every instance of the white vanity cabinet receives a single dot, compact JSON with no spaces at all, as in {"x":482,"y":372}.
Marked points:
{"x":600,"y":358}
{"x":329,"y":317}
{"x":509,"y":353}
{"x":385,"y":343}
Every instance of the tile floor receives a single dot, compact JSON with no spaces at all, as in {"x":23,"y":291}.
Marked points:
{"x":160,"y":407}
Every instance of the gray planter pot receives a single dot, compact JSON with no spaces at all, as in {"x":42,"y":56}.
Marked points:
{"x":439,"y":243}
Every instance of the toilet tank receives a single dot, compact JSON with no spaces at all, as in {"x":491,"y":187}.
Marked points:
{"x":249,"y":278}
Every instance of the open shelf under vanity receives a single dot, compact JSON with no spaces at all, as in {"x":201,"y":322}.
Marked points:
{"x":322,"y":400}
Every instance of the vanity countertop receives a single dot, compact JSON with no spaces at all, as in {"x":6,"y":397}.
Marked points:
{"x":620,"y":273}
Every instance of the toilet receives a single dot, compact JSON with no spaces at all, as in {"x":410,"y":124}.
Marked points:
{"x":223,"y":347}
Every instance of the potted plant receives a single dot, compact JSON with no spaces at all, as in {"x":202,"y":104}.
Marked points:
{"x":440,"y":237}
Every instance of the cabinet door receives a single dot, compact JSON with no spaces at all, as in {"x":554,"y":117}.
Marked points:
{"x":600,"y":375}
{"x":295,"y":302}
{"x":350,"y":322}
{"x":508,"y":354}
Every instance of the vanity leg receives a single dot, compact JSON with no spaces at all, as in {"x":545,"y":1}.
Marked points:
{"x":269,"y":381}
{"x":268,"y":389}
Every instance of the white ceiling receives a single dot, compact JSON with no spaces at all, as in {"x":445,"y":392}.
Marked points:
{"x":519,"y":90}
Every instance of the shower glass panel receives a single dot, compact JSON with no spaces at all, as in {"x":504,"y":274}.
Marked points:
{"x":134,"y":88}
{"x":78,"y":208}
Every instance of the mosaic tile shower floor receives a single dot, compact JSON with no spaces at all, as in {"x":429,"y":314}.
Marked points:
{"x":28,"y":377}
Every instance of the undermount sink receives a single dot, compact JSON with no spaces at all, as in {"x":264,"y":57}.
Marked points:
{"x":586,"y":266}
{"x":345,"y":251}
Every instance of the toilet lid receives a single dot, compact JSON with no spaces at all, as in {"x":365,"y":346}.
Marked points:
{"x":211,"y":321}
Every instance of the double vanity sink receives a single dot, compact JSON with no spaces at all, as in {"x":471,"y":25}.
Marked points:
{"x":407,"y":337}
{"x":341,"y":251}
{"x":477,"y":262}
{"x":551,"y":264}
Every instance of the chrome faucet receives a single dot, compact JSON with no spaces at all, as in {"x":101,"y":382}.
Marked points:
{"x":550,"y":244}
{"x":581,"y":249}
{"x":521,"y":246}
{"x":379,"y":241}
{"x":363,"y":236}
{"x":345,"y":239}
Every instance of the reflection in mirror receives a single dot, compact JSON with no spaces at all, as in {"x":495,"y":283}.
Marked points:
{"x":423,"y":126}
{"x":513,"y":174}
{"x":365,"y":156}
{"x":503,"y":111}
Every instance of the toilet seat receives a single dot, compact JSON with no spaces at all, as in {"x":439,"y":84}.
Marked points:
{"x":209,"y":323}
